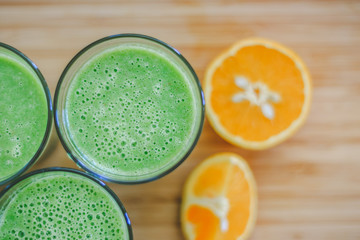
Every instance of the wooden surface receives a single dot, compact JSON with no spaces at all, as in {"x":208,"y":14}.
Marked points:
{"x":309,"y":186}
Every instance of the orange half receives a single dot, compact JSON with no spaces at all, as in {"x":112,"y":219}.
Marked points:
{"x":257,"y":92}
{"x":219,"y":200}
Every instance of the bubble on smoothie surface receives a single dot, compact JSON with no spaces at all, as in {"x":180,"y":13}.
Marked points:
{"x":130,"y":110}
{"x":62,"y":207}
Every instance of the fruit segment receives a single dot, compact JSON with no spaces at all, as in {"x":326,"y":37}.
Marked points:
{"x":219,"y":200}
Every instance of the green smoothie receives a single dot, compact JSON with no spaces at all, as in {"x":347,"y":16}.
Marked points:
{"x":130,"y":110}
{"x":23,"y":114}
{"x":60,"y":205}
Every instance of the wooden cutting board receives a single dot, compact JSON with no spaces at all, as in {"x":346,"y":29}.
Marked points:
{"x":309,"y":186}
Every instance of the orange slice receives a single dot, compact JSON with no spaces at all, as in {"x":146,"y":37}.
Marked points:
{"x":257,"y":93}
{"x":219,"y":200}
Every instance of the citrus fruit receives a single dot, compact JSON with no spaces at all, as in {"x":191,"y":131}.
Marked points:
{"x":257,"y":93}
{"x":219,"y":200}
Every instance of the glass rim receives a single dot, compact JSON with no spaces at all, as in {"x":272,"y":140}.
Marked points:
{"x":84,"y":174}
{"x":201,"y":102}
{"x":47,"y":93}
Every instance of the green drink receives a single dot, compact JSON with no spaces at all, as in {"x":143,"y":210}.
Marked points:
{"x":61,"y":203}
{"x":25,"y":113}
{"x":129,"y":108}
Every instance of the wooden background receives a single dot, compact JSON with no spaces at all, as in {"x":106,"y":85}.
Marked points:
{"x":309,"y":186}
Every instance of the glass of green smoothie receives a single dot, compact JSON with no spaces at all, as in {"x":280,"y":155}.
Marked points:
{"x":25,"y":113}
{"x":61,"y":203}
{"x":128,"y":108}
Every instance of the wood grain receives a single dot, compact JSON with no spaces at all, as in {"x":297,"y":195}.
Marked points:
{"x":309,"y":186}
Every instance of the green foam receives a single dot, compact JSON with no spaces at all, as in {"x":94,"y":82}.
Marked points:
{"x":130,"y":111}
{"x":23,"y":115}
{"x":61,"y":205}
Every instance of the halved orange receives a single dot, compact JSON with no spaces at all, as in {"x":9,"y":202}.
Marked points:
{"x":257,"y":93}
{"x":219,"y":200}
